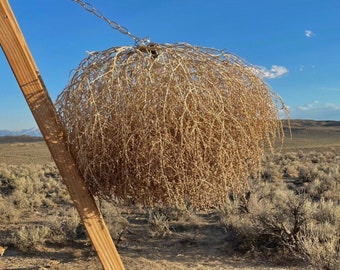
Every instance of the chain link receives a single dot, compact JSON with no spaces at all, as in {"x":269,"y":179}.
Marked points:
{"x":90,"y":8}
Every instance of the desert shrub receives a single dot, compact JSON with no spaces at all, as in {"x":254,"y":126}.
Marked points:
{"x":58,"y":229}
{"x":66,"y":227}
{"x":271,"y":172}
{"x":8,"y":213}
{"x":7,"y":179}
{"x":271,"y":219}
{"x":317,"y":157}
{"x":322,"y":248}
{"x":290,"y":171}
{"x":158,"y":223}
{"x":31,"y":186}
{"x":20,"y":200}
{"x":54,"y":189}
{"x":71,"y":225}
{"x":320,"y":242}
{"x":31,"y":237}
{"x":328,"y":212}
{"x":23,"y":200}
{"x":291,"y":156}
{"x":115,"y":221}
{"x":322,"y":187}
{"x":308,"y":173}
{"x":298,"y":215}
{"x":27,"y":188}
{"x":181,"y":213}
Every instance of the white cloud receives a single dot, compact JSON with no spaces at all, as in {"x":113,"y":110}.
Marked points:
{"x":309,"y":33}
{"x":316,"y":111}
{"x":309,"y":106}
{"x":272,"y":73}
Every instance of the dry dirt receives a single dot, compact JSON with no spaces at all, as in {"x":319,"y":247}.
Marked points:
{"x":199,"y":244}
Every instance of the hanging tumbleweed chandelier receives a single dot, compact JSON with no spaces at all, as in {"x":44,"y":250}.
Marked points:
{"x":167,"y":124}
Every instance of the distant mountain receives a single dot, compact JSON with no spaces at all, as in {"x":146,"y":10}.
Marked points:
{"x":33,"y":132}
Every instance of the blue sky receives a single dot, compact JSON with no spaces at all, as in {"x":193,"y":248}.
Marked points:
{"x":294,"y":42}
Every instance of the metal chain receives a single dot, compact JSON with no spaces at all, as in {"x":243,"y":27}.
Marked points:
{"x":90,"y":8}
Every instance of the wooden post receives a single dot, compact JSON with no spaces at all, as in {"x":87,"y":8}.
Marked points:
{"x":27,"y":75}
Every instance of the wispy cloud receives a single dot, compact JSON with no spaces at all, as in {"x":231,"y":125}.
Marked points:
{"x":309,"y":106}
{"x":316,"y":111}
{"x":272,"y":73}
{"x":307,"y":68}
{"x":309,"y":33}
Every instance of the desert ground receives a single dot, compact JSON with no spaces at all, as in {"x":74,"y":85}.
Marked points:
{"x":42,"y":231}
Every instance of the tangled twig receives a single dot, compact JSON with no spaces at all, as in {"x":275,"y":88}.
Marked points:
{"x":168,"y":123}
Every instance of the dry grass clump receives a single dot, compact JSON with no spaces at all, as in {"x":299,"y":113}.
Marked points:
{"x":158,"y":224}
{"x":163,"y":123}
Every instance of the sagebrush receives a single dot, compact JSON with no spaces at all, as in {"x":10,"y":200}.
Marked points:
{"x":294,"y":209}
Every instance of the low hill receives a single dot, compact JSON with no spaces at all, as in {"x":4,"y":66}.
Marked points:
{"x":34,"y":132}
{"x":19,"y":139}
{"x":311,"y":135}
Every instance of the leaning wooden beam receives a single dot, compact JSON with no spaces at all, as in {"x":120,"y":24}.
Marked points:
{"x":27,"y":75}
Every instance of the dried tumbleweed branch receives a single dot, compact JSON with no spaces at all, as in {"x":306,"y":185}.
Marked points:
{"x":168,"y":123}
